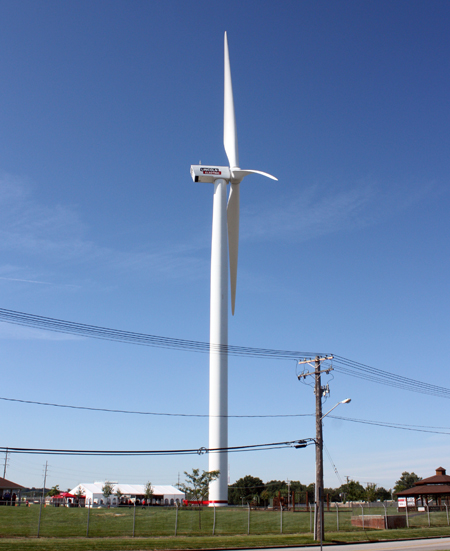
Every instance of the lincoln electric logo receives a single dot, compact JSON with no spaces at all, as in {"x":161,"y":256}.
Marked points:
{"x":214,"y":171}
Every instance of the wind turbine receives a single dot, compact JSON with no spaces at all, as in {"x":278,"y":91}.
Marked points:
{"x":225,"y":220}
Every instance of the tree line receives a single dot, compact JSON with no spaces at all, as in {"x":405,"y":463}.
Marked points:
{"x":250,"y":489}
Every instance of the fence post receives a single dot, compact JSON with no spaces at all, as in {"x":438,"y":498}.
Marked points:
{"x":315,"y":513}
{"x":407,"y":518}
{"x":428,"y":512}
{"x":248,"y":522}
{"x":281,"y":519}
{"x":362,"y":509}
{"x":134,"y":516}
{"x":214,"y":521}
{"x":446,"y":508}
{"x":87,"y":528}
{"x":385,"y":517}
{"x":176,"y":518}
{"x":337,"y":517}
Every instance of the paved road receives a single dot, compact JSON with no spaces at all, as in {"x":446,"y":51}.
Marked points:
{"x":434,"y":544}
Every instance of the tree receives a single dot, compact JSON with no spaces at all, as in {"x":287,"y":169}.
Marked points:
{"x":353,"y":491}
{"x":275,"y":486}
{"x":148,"y":494}
{"x":333,"y":493}
{"x":119,"y":495}
{"x":79,"y":494}
{"x":265,"y":496}
{"x":245,"y":489}
{"x":54,"y":491}
{"x":197,"y":487}
{"x":371,"y":492}
{"x":107,"y":490}
{"x":406,"y":481}
{"x":383,"y":494}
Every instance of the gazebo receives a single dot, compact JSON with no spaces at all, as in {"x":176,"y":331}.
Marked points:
{"x":434,"y":489}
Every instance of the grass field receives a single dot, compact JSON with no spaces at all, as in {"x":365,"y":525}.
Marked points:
{"x":166,"y":528}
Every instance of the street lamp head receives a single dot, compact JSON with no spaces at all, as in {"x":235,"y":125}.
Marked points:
{"x":346,"y":401}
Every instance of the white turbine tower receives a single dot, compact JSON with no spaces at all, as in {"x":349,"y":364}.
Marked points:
{"x":223,"y":216}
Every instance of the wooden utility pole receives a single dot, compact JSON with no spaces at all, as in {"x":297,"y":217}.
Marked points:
{"x":318,"y":490}
{"x":318,"y":521}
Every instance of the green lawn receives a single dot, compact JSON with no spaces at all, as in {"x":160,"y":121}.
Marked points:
{"x":154,"y":528}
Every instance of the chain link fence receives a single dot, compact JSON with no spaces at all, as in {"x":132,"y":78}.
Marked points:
{"x":136,"y":521}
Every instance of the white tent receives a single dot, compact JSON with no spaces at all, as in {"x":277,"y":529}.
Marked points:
{"x":93,"y":492}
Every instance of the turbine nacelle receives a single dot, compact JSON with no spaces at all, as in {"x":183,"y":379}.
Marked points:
{"x":208,"y":174}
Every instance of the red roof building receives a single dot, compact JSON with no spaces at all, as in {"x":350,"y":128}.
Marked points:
{"x":435,"y":489}
{"x":8,"y":491}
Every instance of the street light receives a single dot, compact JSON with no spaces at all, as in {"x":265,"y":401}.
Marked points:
{"x":346,"y":401}
{"x":318,"y":521}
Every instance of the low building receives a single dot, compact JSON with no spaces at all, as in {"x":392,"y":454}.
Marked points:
{"x":124,"y":494}
{"x":9,"y":491}
{"x":433,"y":491}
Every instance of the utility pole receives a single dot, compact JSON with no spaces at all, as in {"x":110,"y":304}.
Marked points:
{"x":6,"y":463}
{"x":319,"y":391}
{"x":42,"y":499}
{"x":318,"y":524}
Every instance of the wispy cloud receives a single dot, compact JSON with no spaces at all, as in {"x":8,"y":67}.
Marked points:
{"x":59,"y":236}
{"x":321,"y":210}
{"x":25,"y":280}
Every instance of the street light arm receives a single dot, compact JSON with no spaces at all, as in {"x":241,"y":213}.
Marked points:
{"x":346,"y":401}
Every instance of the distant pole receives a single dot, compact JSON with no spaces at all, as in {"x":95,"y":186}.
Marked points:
{"x":6,"y":463}
{"x":176,"y":518}
{"x":42,"y":499}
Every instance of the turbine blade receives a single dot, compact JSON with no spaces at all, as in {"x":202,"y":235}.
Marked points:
{"x":233,"y":239}
{"x":229,"y":121}
{"x":240,"y":174}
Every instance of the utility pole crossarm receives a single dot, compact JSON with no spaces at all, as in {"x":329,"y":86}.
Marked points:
{"x":317,"y":361}
{"x":304,"y":375}
{"x":330,"y":357}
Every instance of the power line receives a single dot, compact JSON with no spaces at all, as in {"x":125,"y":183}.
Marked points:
{"x":399,"y":426}
{"x":104,"y":333}
{"x":390,"y":379}
{"x":341,"y":364}
{"x":198,"y":451}
{"x":131,"y":412}
{"x":418,"y":428}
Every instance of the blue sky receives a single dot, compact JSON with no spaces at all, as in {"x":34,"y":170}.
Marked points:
{"x":105,"y":105}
